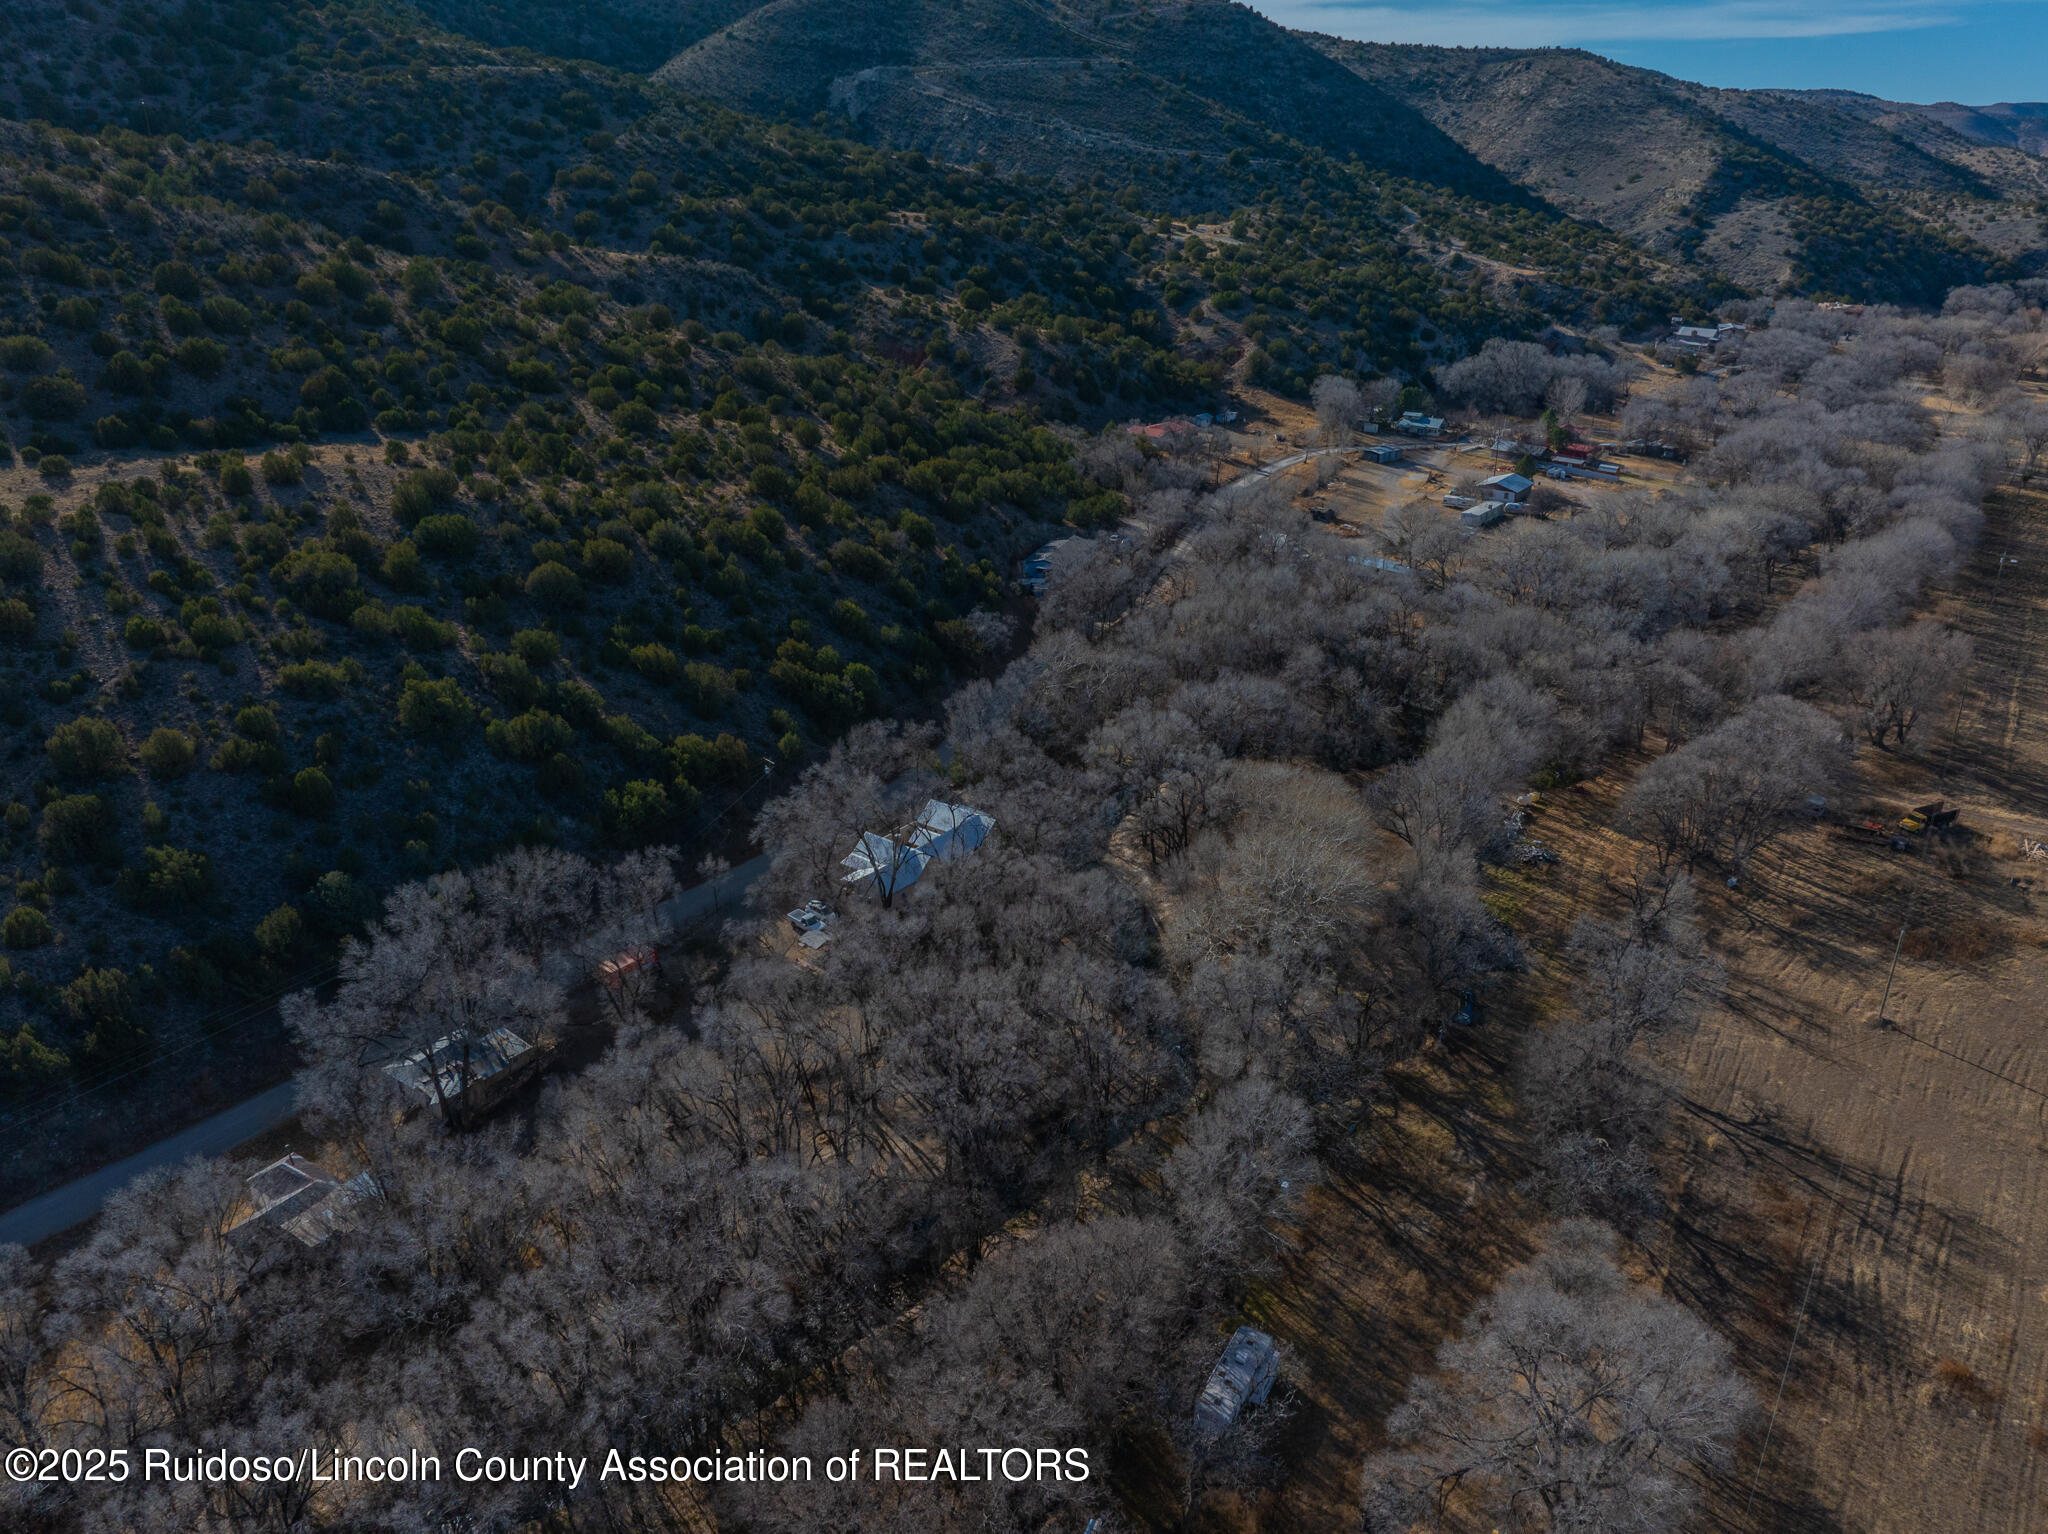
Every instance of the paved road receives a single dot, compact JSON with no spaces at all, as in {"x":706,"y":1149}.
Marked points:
{"x":81,"y":1200}
{"x":717,"y":898}
{"x":76,"y":1202}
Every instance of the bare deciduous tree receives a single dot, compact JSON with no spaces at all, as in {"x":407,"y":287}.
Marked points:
{"x":1596,"y":1103}
{"x":432,"y":980}
{"x":1566,"y":395}
{"x":1379,"y":396}
{"x":1897,"y":676}
{"x":1337,"y":404}
{"x":1243,"y":1164}
{"x":1574,"y":1402}
{"x":1731,"y":792}
{"x":28,"y":1341}
{"x":874,"y":777}
{"x":2027,"y":427}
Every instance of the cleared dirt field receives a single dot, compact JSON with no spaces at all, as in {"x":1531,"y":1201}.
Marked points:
{"x":1899,"y":1172}
{"x":1862,"y":1210}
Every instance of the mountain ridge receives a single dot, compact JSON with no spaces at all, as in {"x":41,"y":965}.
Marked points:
{"x":1178,"y":71}
{"x":2019,"y":125}
{"x":1763,"y":186}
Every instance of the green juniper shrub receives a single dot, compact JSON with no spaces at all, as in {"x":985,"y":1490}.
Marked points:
{"x":100,"y":1004}
{"x":86,"y":750}
{"x":77,"y":828}
{"x":167,"y":753}
{"x":26,"y":927}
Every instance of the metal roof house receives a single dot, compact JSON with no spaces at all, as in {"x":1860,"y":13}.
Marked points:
{"x":1243,"y":1377}
{"x":1414,"y":423}
{"x":1510,"y":489}
{"x":479,"y":1073}
{"x":1706,"y":337}
{"x":1374,"y":562}
{"x":1384,"y":452}
{"x":304,"y":1200}
{"x":942,"y":832}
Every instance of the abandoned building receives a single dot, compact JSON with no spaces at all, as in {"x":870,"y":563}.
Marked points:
{"x":477,"y":1073}
{"x":1243,"y":1377}
{"x":303,"y":1199}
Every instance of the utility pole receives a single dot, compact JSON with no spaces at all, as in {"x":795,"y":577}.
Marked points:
{"x":1899,"y":943}
{"x":2019,"y":650}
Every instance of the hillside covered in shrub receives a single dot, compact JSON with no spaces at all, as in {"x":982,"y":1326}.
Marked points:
{"x":413,"y":447}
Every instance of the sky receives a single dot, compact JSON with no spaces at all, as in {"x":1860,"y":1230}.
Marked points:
{"x":1974,"y":51}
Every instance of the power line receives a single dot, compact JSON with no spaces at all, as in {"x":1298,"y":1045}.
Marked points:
{"x":1798,"y":1328}
{"x":236,"y":1017}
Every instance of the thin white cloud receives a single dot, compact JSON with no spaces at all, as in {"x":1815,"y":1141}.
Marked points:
{"x":1520,"y":24}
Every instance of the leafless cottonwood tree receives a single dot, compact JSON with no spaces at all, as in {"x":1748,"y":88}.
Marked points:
{"x":1573,"y":1402}
{"x":1431,"y":544}
{"x":436,"y":976}
{"x":1897,"y":677}
{"x":2026,"y":426}
{"x":1516,"y":377}
{"x":32,"y":1335}
{"x":873,"y":779}
{"x":1244,"y":1165}
{"x":1566,"y":396}
{"x":1596,"y":1101}
{"x":1379,"y":396}
{"x":1174,"y":778}
{"x":1734,"y":790}
{"x":1338,"y":406}
{"x":1054,"y":1340}
{"x":1093,"y":582}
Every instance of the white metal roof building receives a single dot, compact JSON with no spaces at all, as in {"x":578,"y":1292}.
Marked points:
{"x":941,"y":832}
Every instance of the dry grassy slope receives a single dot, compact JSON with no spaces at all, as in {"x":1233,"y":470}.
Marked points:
{"x":993,"y":79}
{"x":1597,"y":140}
{"x":1894,"y":152}
{"x":786,"y":54}
{"x":1033,"y":116}
{"x":2009,"y":125}
{"x":1631,"y":149}
{"x":626,"y":34}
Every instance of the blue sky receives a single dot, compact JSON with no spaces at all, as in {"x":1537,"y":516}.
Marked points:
{"x":1976,"y":51}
